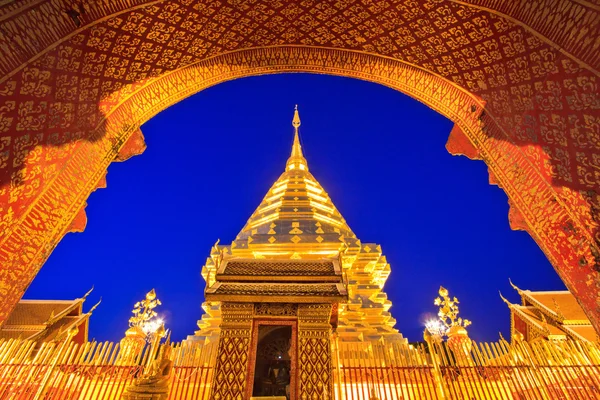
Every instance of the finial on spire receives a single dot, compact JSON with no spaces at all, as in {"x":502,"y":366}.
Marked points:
{"x":296,"y":160}
{"x":296,"y":120}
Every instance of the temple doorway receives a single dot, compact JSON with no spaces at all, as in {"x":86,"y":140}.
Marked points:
{"x":274,"y":362}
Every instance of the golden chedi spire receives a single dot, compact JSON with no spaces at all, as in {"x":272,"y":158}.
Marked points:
{"x":296,"y":160}
{"x":296,"y":217}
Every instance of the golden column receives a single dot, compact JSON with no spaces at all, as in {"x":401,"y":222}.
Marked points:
{"x":315,"y":380}
{"x":231,"y":369}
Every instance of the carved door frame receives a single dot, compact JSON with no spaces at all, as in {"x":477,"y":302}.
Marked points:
{"x":253,"y":348}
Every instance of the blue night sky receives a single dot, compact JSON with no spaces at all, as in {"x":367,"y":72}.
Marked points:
{"x":379,"y":154}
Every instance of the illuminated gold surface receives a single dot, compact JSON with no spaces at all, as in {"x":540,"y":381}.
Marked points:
{"x":448,"y":312}
{"x":48,"y":320}
{"x":297,"y":222}
{"x":496,"y":370}
{"x":144,"y":326}
{"x":324,"y":368}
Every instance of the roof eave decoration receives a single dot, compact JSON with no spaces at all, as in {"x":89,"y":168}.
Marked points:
{"x":525,"y":317}
{"x":570,"y":322}
{"x":248,"y":269}
{"x":577,"y":336}
{"x":528,"y":294}
{"x":53,"y":318}
{"x":275,"y":299}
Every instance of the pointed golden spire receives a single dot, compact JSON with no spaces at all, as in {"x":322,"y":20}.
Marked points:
{"x":296,"y":160}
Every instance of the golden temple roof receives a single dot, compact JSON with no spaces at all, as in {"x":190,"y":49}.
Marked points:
{"x":39,"y":312}
{"x":559,"y":304}
{"x":554,"y":314}
{"x":296,"y":212}
{"x":45,"y":320}
{"x":261,"y":269}
{"x":583,"y":332}
{"x":284,"y":292}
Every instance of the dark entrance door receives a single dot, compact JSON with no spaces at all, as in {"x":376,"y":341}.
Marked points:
{"x":273,"y":362}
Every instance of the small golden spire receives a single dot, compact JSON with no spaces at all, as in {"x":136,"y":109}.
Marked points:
{"x":296,"y":160}
{"x":296,"y":121}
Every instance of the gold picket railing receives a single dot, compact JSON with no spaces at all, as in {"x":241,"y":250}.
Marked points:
{"x":538,"y":370}
{"x":96,"y":370}
{"x":385,"y":371}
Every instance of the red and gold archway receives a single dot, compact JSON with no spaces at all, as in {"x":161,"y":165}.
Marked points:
{"x":519,"y":80}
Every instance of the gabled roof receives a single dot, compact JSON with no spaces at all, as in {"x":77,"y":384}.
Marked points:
{"x":560,"y":305}
{"x":40,"y":312}
{"x":582,"y":332}
{"x":44,"y":320}
{"x":553,"y":314}
{"x":533,"y":318}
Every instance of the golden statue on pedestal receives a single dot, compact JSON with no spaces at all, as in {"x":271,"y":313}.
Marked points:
{"x":154,"y":383}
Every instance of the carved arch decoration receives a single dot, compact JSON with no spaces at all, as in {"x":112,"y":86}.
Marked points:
{"x":519,"y":80}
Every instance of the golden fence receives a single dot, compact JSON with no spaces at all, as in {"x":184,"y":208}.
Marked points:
{"x":385,"y":371}
{"x":538,"y":370}
{"x":99,"y":371}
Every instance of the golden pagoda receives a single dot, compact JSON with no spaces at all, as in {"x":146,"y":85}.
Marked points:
{"x":298,"y":276}
{"x":297,"y":221}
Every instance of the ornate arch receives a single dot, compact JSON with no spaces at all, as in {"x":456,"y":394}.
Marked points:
{"x":525,"y":107}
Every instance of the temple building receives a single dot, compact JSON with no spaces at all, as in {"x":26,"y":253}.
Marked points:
{"x":295,"y":280}
{"x":549,"y":315}
{"x":48,"y":321}
{"x":297,"y":230}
